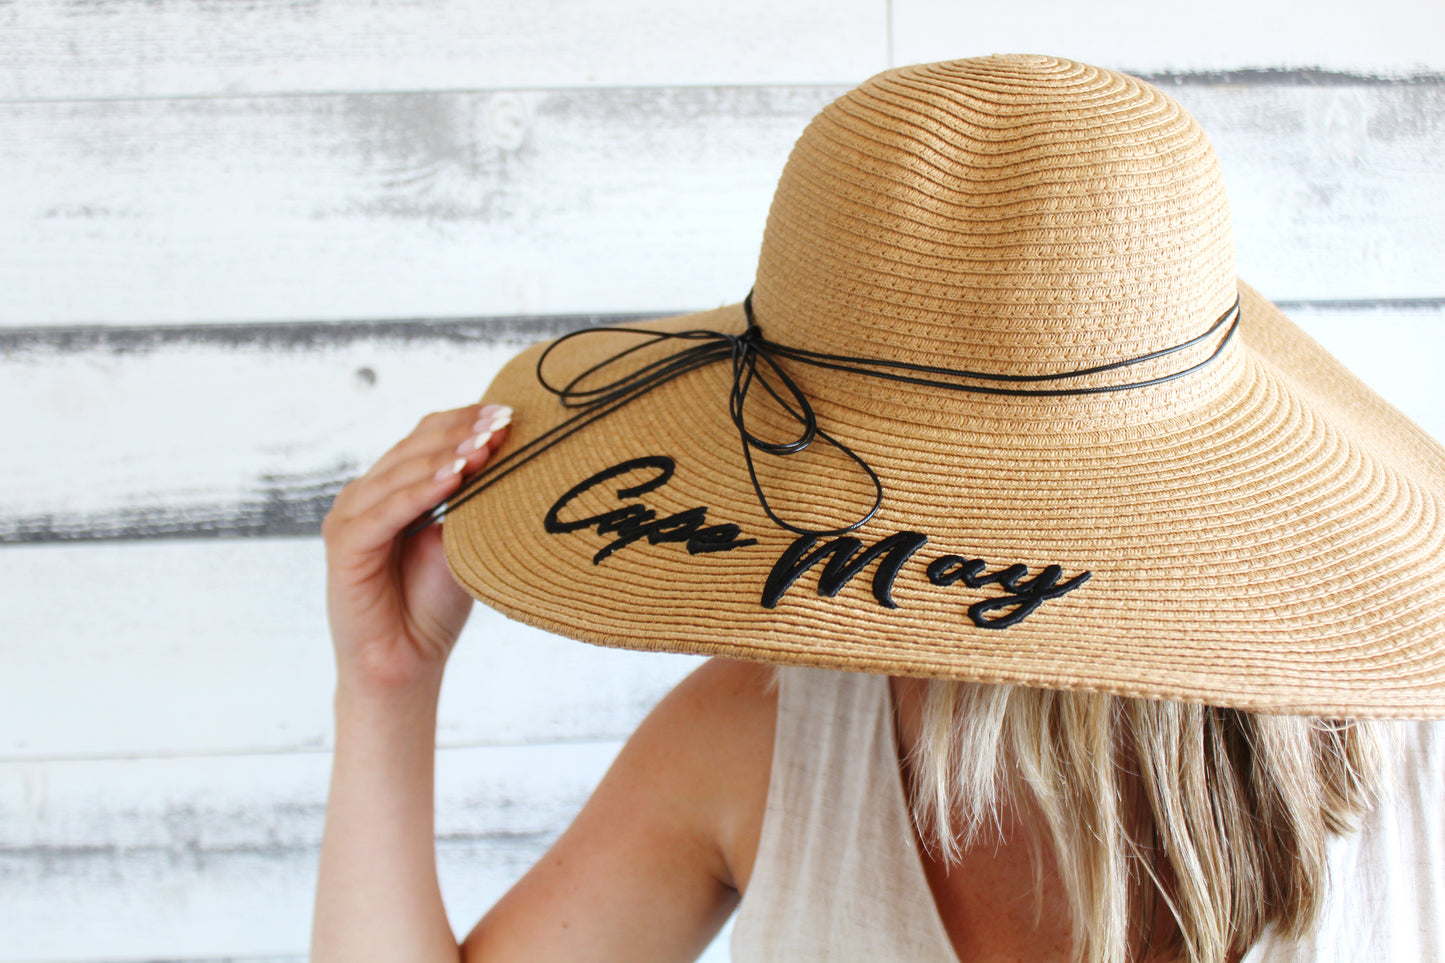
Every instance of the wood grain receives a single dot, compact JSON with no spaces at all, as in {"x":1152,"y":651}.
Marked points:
{"x":55,"y":49}
{"x":202,"y":430}
{"x":374,"y":206}
{"x":454,"y":205}
{"x":165,"y":48}
{"x":1391,"y":36}
{"x":210,"y":858}
{"x":216,"y":856}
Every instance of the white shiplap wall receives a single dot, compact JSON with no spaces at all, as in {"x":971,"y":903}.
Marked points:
{"x":243,"y":247}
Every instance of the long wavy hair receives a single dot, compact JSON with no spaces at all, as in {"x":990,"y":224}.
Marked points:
{"x":1217,"y":816}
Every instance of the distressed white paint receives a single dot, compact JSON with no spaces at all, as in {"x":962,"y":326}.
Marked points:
{"x":194,"y":646}
{"x":164,"y":704}
{"x":1307,"y":170}
{"x":392,"y":205}
{"x":1386,"y":37}
{"x":467,"y":204}
{"x":56,"y":49}
{"x":209,"y":857}
{"x":187,"y":427}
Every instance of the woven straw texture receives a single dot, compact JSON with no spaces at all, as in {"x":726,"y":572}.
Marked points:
{"x":1264,"y":533}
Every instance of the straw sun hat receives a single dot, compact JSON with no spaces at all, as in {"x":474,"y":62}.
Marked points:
{"x":1056,"y":442}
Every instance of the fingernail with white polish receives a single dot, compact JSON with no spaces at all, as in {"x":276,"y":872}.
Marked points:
{"x":452,"y":469}
{"x":500,"y":418}
{"x":472,"y":444}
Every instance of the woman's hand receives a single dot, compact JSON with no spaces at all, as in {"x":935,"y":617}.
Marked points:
{"x":394,"y":609}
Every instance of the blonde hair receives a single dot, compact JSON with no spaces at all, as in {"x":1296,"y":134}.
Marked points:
{"x":1216,"y":816}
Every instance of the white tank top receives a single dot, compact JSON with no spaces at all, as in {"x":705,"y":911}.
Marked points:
{"x":838,"y":877}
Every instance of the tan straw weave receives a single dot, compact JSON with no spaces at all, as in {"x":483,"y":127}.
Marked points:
{"x":1263,"y":532}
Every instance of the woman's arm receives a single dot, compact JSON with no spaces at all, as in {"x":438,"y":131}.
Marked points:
{"x":395,"y":614}
{"x":650,"y":868}
{"x":377,"y":893}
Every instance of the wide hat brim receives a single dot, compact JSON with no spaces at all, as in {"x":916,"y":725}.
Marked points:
{"x":1274,"y":541}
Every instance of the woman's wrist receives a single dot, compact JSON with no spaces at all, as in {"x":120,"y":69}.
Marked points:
{"x":388,"y":717}
{"x":377,"y":893}
{"x":391,"y":691}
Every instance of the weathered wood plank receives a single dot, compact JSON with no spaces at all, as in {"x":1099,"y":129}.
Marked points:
{"x":106,"y":402}
{"x":54,"y":49}
{"x":194,"y":647}
{"x":195,"y":431}
{"x":1392,"y":36}
{"x":202,"y":858}
{"x":1336,"y":190}
{"x":216,"y":857}
{"x":210,"y":860}
{"x":574,"y":201}
{"x":190,"y":48}
{"x":387,"y":205}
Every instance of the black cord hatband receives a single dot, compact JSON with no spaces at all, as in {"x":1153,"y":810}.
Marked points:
{"x":744,"y":351}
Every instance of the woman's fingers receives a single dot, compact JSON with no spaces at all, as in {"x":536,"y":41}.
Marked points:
{"x":378,"y":525}
{"x":435,"y":430}
{"x":481,"y":438}
{"x":442,"y":445}
{"x":418,"y":472}
{"x":490,"y":423}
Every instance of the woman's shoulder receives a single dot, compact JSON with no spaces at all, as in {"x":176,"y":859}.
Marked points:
{"x":724,"y":710}
{"x":713,"y":734}
{"x":653,"y":863}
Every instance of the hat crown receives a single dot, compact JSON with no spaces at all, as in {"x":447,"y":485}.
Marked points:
{"x":1010,"y":214}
